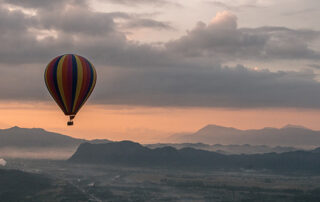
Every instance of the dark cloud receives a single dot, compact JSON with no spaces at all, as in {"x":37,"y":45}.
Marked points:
{"x":49,"y":4}
{"x":315,"y":66}
{"x":148,"y":23}
{"x":77,"y":20}
{"x":14,"y":21}
{"x":121,"y":15}
{"x":25,"y":82}
{"x":301,"y":11}
{"x":45,"y":4}
{"x":214,"y":87}
{"x":141,"y":2}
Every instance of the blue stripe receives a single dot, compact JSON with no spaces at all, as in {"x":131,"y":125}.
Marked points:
{"x":74,"y":80}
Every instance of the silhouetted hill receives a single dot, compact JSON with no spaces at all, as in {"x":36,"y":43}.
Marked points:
{"x":22,"y":186}
{"x":130,"y":153}
{"x":290,"y":135}
{"x":17,"y":185}
{"x":133,"y":154}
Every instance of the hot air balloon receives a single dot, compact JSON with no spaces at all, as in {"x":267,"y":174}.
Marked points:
{"x":70,"y":80}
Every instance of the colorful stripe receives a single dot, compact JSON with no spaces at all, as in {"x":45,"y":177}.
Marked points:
{"x":70,"y":80}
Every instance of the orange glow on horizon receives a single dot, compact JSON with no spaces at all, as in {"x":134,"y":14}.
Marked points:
{"x":147,"y":124}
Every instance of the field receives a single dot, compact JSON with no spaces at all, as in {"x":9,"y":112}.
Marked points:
{"x":115,"y":183}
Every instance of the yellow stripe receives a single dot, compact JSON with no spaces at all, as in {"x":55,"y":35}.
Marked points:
{"x":79,"y":81}
{"x":94,"y":77}
{"x":60,"y":84}
{"x":93,"y":81}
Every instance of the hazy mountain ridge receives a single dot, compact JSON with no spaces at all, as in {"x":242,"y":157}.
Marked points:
{"x":35,"y":137}
{"x":133,"y":154}
{"x":18,"y":142}
{"x":227,"y":149}
{"x":290,"y":135}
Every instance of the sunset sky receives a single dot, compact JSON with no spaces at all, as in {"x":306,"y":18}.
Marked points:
{"x":163,"y":66}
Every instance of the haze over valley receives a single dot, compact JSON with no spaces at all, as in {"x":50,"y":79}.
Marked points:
{"x":102,"y":170}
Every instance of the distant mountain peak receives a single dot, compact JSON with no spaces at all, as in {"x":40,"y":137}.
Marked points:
{"x":17,"y":129}
{"x":14,"y":128}
{"x":216,"y":127}
{"x":294,"y":126}
{"x":290,"y":135}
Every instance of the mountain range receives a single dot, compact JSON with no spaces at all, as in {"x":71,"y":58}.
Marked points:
{"x":289,"y":135}
{"x":128,"y":153}
{"x":18,"y":142}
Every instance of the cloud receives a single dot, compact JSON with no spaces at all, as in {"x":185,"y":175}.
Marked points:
{"x":183,"y":72}
{"x":222,"y":39}
{"x":72,"y":28}
{"x":2,"y":162}
{"x":78,"y":29}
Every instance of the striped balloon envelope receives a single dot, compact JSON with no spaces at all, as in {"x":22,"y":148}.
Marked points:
{"x":70,"y":80}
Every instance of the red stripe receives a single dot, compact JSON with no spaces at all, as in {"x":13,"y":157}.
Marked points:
{"x":85,"y":83}
{"x":67,"y":81}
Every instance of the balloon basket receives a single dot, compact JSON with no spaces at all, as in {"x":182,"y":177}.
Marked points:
{"x":70,"y":123}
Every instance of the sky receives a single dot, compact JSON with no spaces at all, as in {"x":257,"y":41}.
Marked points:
{"x":163,"y":66}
